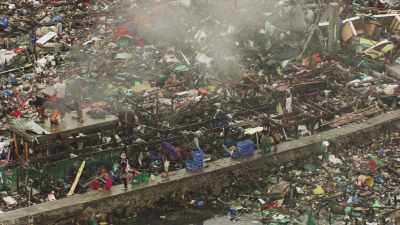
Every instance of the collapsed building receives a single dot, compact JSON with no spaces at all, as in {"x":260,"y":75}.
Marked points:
{"x":86,"y":81}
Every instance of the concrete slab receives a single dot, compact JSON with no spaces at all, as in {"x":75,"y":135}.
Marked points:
{"x":68,"y":124}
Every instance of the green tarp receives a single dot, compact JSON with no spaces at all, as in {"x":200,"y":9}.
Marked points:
{"x":8,"y":178}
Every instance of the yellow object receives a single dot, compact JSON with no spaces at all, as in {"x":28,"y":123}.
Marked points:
{"x":319,"y":190}
{"x":78,"y":176}
{"x":378,"y":49}
{"x":387,"y":48}
{"x":374,"y":54}
{"x":211,"y":88}
{"x":365,"y":180}
{"x":279,"y":109}
{"x":369,"y":181}
{"x":142,"y":87}
{"x":367,"y":43}
{"x":348,"y":31}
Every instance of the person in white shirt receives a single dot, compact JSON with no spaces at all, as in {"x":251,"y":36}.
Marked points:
{"x":51,"y":196}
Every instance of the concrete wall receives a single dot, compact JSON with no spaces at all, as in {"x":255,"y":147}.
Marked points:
{"x":213,"y":176}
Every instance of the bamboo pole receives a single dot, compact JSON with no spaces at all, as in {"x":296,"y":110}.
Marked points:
{"x":16,"y":149}
{"x":77,"y":177}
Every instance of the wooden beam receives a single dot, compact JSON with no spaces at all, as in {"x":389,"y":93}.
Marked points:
{"x":77,"y":178}
{"x":26,"y":150}
{"x":16,"y":149}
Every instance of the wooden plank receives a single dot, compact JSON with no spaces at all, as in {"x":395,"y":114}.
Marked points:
{"x":16,"y":149}
{"x":347,"y":32}
{"x":77,"y":177}
{"x":26,"y":150}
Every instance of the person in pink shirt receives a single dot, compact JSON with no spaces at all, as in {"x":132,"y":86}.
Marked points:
{"x":106,"y":177}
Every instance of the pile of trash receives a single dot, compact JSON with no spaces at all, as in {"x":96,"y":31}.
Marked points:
{"x":199,"y":74}
{"x":129,"y":56}
{"x":355,"y":184}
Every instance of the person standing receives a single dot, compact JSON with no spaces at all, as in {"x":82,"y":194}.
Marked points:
{"x":126,"y":171}
{"x":124,"y":159}
{"x":125,"y":174}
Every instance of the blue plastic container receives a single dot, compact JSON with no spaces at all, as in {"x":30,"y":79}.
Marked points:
{"x":244,"y":148}
{"x":4,"y":23}
{"x":197,"y":162}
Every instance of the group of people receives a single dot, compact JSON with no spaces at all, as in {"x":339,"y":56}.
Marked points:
{"x":105,"y":178}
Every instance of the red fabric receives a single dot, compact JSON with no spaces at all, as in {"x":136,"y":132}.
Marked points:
{"x":120,"y":32}
{"x":19,"y":50}
{"x":271,"y":205}
{"x":52,"y":98}
{"x":316,"y":58}
{"x":94,"y":185}
{"x":16,"y":113}
{"x":108,"y":181}
{"x":203,"y":91}
{"x":372,"y":165}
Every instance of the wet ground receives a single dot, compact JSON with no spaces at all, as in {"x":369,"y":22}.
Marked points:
{"x":194,"y":217}
{"x":224,"y":220}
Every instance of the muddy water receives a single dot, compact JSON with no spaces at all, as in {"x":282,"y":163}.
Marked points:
{"x":191,"y":217}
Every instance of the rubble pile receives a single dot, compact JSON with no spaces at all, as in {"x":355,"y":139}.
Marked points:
{"x":35,"y":36}
{"x":355,"y":184}
{"x":186,"y":78}
{"x":135,"y":60}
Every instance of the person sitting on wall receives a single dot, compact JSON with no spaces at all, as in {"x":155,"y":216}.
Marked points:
{"x":51,"y":196}
{"x":94,"y":185}
{"x":106,"y":179}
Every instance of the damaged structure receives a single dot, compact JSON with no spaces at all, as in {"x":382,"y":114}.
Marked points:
{"x":141,"y":93}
